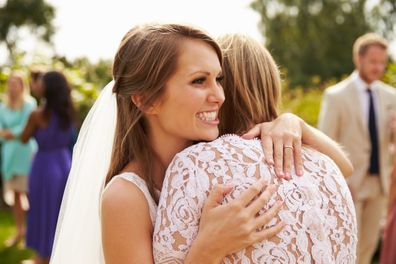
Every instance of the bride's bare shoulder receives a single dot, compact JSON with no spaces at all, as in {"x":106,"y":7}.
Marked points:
{"x":124,"y":190}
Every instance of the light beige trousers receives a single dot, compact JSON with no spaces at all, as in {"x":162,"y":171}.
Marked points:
{"x":370,"y":209}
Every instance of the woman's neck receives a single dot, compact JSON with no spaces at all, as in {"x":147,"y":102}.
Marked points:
{"x":165,"y":148}
{"x":15,"y":103}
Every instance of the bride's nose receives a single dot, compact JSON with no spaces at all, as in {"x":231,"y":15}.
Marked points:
{"x":216,"y":94}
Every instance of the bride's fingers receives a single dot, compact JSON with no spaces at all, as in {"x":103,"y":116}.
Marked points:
{"x":278,"y":156}
{"x":252,"y":133}
{"x":268,"y":233}
{"x":288,"y":151}
{"x":262,"y":199}
{"x":268,"y":145}
{"x":266,"y":217}
{"x":298,"y":157}
{"x":247,"y":196}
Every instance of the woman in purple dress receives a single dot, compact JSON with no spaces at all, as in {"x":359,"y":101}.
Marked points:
{"x":51,"y":126}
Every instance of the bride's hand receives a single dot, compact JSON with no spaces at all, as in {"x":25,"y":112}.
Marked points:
{"x":228,"y":228}
{"x":281,"y":140}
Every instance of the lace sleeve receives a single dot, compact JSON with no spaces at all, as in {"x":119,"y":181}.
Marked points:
{"x":319,"y":212}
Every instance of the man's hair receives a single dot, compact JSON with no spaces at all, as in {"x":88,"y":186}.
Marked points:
{"x":363,"y":42}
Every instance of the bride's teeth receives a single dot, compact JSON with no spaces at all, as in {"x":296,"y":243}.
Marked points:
{"x":207,"y":116}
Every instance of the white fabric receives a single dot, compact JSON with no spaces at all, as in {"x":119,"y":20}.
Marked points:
{"x":78,"y":234}
{"x":361,"y":87}
{"x":318,"y":206}
{"x":141,"y":184}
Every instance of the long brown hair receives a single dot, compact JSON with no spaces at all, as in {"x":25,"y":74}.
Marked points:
{"x":252,"y":84}
{"x":145,"y":60}
{"x":57,"y":94}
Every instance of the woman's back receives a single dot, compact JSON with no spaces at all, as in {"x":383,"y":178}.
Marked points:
{"x":53,"y":136}
{"x":318,"y":210}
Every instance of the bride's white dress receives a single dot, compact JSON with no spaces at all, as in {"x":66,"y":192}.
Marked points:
{"x":319,"y":212}
{"x":141,"y":184}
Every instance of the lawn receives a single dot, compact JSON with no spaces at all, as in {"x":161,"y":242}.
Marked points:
{"x":15,"y":254}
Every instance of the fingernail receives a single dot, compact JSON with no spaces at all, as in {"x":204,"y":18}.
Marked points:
{"x":287,"y":175}
{"x":270,"y":161}
{"x":300,"y":172}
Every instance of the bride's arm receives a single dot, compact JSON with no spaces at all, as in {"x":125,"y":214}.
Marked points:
{"x":290,"y":130}
{"x":126,"y":225}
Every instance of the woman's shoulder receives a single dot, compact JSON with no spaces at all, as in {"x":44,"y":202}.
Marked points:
{"x":124,"y":190}
{"x":224,"y":146}
{"x":125,"y":185}
{"x":128,"y":190}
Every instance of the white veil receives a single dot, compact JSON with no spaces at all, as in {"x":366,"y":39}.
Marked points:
{"x":78,"y":233}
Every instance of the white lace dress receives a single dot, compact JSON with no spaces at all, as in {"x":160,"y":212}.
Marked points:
{"x":319,"y":212}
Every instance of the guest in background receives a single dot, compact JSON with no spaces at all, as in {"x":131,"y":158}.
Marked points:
{"x":52,"y":126}
{"x":16,"y":157}
{"x":356,"y":113}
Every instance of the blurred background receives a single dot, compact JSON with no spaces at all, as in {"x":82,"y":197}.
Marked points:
{"x":311,"y":40}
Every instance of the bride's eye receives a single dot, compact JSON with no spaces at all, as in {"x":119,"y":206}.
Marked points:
{"x":200,"y":80}
{"x":220,"y":78}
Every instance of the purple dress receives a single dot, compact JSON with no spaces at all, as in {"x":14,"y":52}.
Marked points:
{"x":47,"y":181}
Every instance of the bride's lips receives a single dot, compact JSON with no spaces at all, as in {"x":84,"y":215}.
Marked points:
{"x":209,"y":117}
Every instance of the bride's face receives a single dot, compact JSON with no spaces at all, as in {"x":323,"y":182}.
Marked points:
{"x":193,"y":94}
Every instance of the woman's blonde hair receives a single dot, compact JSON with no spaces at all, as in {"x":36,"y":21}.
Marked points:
{"x":252,"y":84}
{"x":146,"y":59}
{"x":25,"y":91}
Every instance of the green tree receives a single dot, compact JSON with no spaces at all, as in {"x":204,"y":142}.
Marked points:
{"x":311,"y":38}
{"x":37,"y":15}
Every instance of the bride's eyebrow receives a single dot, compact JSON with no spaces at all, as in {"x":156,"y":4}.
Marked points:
{"x":201,"y":72}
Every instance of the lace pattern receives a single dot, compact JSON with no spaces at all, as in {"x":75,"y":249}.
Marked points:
{"x":319,"y":212}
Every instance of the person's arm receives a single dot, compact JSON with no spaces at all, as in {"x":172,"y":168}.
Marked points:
{"x":329,"y":116}
{"x":323,"y":143}
{"x":18,"y":130}
{"x":192,"y":227}
{"x":290,"y":130}
{"x":126,"y":225}
{"x":30,"y":128}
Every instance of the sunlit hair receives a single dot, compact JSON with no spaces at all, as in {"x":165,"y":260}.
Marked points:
{"x":19,"y":77}
{"x":363,"y":42}
{"x":146,"y":59}
{"x":252,"y":84}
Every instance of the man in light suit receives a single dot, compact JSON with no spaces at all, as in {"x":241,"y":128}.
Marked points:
{"x":356,"y":112}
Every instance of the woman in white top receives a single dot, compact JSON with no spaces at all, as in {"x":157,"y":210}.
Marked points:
{"x":318,"y":208}
{"x":166,"y":95}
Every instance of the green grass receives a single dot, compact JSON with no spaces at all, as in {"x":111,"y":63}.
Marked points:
{"x":15,"y":254}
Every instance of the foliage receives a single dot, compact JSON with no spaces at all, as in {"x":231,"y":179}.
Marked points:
{"x":315,"y":37}
{"x":34,"y":14}
{"x":305,"y":101}
{"x":86,"y":79}
{"x":15,"y":254}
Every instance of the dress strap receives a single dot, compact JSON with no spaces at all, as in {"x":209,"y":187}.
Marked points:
{"x":141,"y":184}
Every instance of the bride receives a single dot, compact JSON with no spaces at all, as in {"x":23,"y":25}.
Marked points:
{"x":166,"y":94}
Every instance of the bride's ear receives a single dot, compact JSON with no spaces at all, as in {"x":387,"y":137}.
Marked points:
{"x":152,"y":109}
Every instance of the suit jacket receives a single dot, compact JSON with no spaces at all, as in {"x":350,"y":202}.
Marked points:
{"x":341,"y":118}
